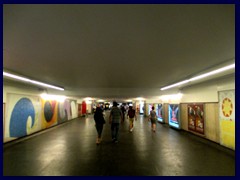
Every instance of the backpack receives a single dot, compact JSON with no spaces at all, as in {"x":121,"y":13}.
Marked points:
{"x":131,"y":113}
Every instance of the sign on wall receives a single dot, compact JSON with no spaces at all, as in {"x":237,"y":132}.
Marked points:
{"x":159,"y":111}
{"x":227,"y":118}
{"x":174,"y":115}
{"x":196,"y":118}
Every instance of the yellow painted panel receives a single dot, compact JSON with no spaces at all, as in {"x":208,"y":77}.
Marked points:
{"x":228,"y":126}
{"x":228,"y":133}
{"x":228,"y":141}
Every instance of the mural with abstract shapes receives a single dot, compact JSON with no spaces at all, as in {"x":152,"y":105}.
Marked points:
{"x":67,"y":108}
{"x":22,"y":116}
{"x":227,"y":118}
{"x":62,"y":113}
{"x":196,"y":118}
{"x":25,"y":115}
{"x":74,"y":109}
{"x":49,"y":113}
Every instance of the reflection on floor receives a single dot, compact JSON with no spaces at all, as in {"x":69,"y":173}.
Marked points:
{"x":70,"y":150}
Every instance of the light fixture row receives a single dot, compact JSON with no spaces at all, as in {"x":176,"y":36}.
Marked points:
{"x":200,"y":76}
{"x":164,"y":88}
{"x":31,"y":81}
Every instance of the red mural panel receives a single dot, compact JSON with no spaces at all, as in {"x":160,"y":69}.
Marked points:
{"x":84,"y":107}
{"x":196,"y":118}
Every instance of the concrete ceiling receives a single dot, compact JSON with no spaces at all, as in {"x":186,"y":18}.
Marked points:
{"x":116,"y":51}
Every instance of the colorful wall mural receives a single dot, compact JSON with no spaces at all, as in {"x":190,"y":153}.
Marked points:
{"x":62,"y":112}
{"x":49,"y":113}
{"x":28,"y":114}
{"x":68,"y":108}
{"x":227,"y":118}
{"x":74,"y":109}
{"x":22,"y":115}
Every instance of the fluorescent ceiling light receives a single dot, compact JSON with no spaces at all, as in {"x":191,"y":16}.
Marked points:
{"x":200,"y":76}
{"x":31,"y":81}
{"x":53,"y":97}
{"x":171,"y":97}
{"x":140,"y":99}
{"x":88,"y":99}
{"x":100,"y":100}
{"x":213,"y":72}
{"x":174,"y":85}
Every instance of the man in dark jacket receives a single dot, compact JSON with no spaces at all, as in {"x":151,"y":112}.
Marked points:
{"x":114,"y":119}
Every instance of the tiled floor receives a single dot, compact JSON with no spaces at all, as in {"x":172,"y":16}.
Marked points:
{"x":70,"y":150}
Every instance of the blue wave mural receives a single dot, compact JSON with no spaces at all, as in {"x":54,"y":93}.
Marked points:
{"x":18,"y":121}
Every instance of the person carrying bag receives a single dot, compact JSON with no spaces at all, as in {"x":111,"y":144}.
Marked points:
{"x":153,"y":118}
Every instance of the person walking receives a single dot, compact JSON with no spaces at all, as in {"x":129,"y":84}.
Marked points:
{"x":99,"y":122}
{"x":115,"y":118}
{"x":153,"y":118}
{"x":131,"y":115}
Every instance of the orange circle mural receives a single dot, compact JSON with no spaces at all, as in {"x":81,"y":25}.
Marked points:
{"x":227,"y":107}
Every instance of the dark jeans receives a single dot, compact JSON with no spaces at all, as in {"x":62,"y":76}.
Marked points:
{"x":115,"y":129}
{"x":99,"y":128}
